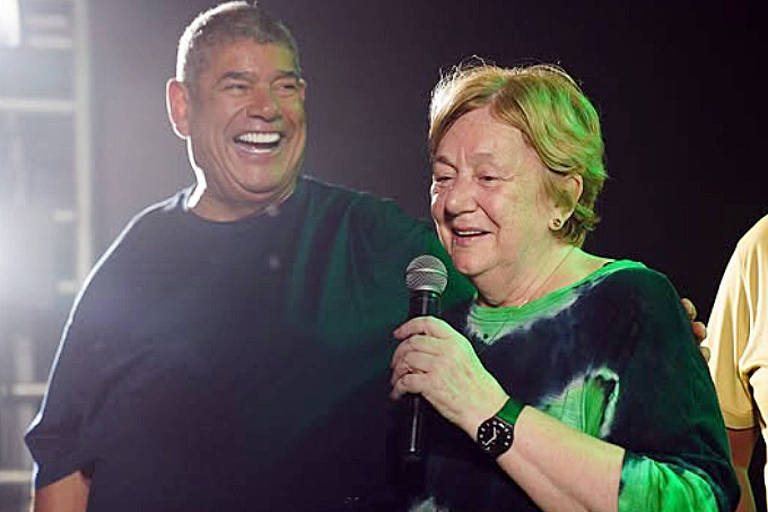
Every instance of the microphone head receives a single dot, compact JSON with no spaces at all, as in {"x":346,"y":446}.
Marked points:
{"x":426,"y":273}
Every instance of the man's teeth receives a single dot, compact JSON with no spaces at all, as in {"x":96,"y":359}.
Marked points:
{"x":259,"y":137}
{"x":460,"y":232}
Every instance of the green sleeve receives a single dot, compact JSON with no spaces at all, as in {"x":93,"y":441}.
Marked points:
{"x":664,"y":487}
{"x":667,"y":418}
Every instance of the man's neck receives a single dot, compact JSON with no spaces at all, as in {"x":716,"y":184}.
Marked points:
{"x":203,"y":203}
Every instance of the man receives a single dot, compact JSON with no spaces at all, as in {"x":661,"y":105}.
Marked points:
{"x":229,"y":351}
{"x":738,"y":344}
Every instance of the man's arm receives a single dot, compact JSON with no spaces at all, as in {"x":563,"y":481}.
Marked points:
{"x":70,"y":494}
{"x":742,"y":443}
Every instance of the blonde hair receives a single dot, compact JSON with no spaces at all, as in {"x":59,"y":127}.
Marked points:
{"x":554,"y":115}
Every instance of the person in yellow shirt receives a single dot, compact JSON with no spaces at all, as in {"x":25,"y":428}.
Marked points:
{"x":738,"y":346}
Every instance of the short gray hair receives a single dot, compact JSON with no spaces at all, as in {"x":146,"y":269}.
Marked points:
{"x":224,"y":23}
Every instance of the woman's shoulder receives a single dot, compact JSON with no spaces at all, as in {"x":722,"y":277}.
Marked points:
{"x":626,"y":272}
{"x":587,"y":271}
{"x":629,"y":282}
{"x":634,"y":270}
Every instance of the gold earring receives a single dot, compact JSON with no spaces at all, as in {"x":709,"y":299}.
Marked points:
{"x":556,"y":224}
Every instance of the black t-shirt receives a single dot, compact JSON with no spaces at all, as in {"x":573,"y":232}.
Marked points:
{"x":239,"y":365}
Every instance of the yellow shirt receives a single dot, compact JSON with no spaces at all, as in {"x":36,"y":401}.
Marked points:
{"x":738,"y":334}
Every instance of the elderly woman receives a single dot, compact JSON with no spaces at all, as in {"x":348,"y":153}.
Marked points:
{"x":574,"y":378}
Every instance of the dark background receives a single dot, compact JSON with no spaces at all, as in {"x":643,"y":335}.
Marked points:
{"x":677,"y":85}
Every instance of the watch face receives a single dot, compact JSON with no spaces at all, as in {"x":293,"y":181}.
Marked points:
{"x":495,"y":436}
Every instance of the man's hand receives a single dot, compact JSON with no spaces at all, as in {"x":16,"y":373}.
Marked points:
{"x":698,"y":328}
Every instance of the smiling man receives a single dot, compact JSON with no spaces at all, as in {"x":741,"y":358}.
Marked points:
{"x":243,"y":118}
{"x":229,"y":351}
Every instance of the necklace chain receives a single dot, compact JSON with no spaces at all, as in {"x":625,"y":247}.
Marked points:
{"x":535,"y":295}
{"x":489,"y":338}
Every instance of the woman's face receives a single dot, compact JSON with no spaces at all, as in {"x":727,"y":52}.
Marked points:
{"x":489,"y":202}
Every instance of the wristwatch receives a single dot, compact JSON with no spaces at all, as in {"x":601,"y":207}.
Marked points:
{"x":495,"y":435}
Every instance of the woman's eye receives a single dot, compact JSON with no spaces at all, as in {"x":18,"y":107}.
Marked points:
{"x":286,"y":88}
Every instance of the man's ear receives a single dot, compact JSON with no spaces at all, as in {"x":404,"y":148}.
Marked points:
{"x":177,"y":102}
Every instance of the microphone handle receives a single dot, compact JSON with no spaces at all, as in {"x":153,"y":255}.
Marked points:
{"x":415,"y":447}
{"x":422,"y":303}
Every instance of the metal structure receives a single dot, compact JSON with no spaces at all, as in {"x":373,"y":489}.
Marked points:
{"x":45,"y":213}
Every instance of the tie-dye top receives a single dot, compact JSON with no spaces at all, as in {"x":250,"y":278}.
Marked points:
{"x":613,"y":356}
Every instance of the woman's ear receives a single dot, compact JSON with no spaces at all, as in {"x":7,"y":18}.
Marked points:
{"x":571,"y":187}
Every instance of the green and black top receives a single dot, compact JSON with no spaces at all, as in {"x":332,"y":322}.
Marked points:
{"x":612,"y":356}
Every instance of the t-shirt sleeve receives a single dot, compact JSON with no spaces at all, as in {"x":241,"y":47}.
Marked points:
{"x":63,"y":435}
{"x":667,"y":417}
{"x":56,"y":438}
{"x":737,"y":337}
{"x":394,"y":236}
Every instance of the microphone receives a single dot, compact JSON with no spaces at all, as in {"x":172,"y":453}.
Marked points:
{"x":426,"y":279}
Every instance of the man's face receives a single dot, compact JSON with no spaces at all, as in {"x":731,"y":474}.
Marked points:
{"x":245,"y":127}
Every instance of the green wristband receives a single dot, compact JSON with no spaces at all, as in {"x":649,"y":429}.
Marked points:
{"x":510,"y":411}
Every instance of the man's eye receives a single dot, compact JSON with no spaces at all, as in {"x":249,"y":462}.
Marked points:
{"x":440,"y":179}
{"x":235,"y":87}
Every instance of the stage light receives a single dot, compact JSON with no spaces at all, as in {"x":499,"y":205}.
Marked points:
{"x":10,"y":23}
